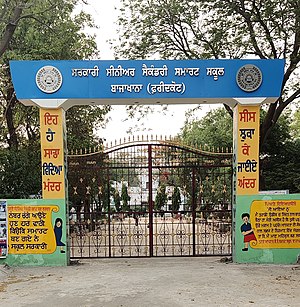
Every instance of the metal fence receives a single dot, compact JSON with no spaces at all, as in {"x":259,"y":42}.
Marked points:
{"x":150,"y":198}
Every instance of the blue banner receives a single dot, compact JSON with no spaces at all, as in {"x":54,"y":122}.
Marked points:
{"x":165,"y":81}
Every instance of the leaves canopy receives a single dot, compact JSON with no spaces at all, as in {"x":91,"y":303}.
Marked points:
{"x":193,"y":29}
{"x":279,"y":160}
{"x":43,"y":29}
{"x":176,"y":199}
{"x":49,"y":31}
{"x":161,"y":197}
{"x":125,"y":197}
{"x":213,"y":130}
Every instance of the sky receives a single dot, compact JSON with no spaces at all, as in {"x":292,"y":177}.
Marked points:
{"x":157,"y":123}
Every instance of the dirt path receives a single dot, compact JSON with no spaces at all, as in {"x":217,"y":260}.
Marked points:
{"x":151,"y":282}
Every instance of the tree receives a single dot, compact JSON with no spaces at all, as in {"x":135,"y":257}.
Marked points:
{"x":45,"y":35}
{"x":190,"y":29}
{"x":117,"y":200}
{"x":82,"y":122}
{"x":176,"y":199}
{"x":11,"y":13}
{"x":281,"y":170}
{"x":213,"y":130}
{"x":19,"y":173}
{"x":125,"y":197}
{"x":45,"y":29}
{"x":161,"y":197}
{"x":279,"y":161}
{"x":296,"y":124}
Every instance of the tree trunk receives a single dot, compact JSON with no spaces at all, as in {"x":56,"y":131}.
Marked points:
{"x":10,"y":29}
{"x":12,"y":138}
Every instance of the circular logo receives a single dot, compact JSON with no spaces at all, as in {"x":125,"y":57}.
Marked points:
{"x":48,"y":79}
{"x":249,"y":78}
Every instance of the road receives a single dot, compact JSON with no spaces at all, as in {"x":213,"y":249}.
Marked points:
{"x":137,"y":282}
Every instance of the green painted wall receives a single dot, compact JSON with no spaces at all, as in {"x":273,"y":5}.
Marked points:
{"x":56,"y":258}
{"x":243,"y":204}
{"x":255,"y":255}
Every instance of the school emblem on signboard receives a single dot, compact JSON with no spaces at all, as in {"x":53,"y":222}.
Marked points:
{"x":249,"y":78}
{"x":48,"y":79}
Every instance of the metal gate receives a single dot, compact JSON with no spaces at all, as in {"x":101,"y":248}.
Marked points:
{"x":147,"y":198}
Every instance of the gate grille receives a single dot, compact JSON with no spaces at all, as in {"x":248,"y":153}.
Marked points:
{"x":150,"y":198}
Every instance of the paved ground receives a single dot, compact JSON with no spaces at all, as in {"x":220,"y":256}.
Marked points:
{"x":151,"y":282}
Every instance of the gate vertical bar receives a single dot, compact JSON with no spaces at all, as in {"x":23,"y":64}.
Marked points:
{"x":109,"y":213}
{"x":194,"y":210}
{"x":150,"y":200}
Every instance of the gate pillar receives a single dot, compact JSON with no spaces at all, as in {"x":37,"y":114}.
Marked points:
{"x":246,"y":149}
{"x":53,"y":153}
{"x":54,"y":180}
{"x":246,"y":122}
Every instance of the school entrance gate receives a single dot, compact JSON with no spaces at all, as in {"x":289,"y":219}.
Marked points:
{"x":147,"y":198}
{"x":155,"y":198}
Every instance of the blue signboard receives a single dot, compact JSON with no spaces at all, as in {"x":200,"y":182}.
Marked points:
{"x":139,"y":81}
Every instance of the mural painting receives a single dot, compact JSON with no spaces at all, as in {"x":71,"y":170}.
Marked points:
{"x":30,"y":229}
{"x":247,"y":231}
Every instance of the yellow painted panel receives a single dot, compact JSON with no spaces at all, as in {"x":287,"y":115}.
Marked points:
{"x":30,"y":229}
{"x":276,"y":223}
{"x":52,"y":151}
{"x":247,"y":149}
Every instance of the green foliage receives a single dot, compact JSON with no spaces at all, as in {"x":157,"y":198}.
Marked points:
{"x":176,"y":199}
{"x":51,"y":31}
{"x":213,"y":130}
{"x":104,"y":197}
{"x":151,"y":28}
{"x":281,"y":170}
{"x":125,"y":197}
{"x":279,"y":161}
{"x":279,"y":158}
{"x":46,"y":29}
{"x":191,"y":29}
{"x":206,"y":29}
{"x":20,"y":172}
{"x":161,"y":197}
{"x":81,"y":123}
{"x":117,"y":200}
{"x":281,"y":133}
{"x":295,"y":125}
